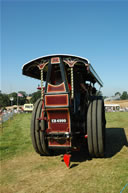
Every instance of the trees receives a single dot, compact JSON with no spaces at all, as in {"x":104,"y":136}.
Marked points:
{"x":22,"y":100}
{"x":14,"y":95}
{"x":117,"y":93}
{"x":4,"y":100}
{"x":124,"y":95}
{"x":35,"y":96}
{"x":19,"y":100}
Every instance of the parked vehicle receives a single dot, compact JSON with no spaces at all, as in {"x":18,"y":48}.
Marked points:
{"x":28,"y":107}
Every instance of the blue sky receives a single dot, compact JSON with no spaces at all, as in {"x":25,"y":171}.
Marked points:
{"x":97,"y":30}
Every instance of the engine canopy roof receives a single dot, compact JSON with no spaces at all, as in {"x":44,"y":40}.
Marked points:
{"x":31,"y":68}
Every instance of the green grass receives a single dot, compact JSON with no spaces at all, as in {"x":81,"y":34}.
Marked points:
{"x":15,"y":136}
{"x":116,"y":132}
{"x":25,"y":171}
{"x":117,"y":119}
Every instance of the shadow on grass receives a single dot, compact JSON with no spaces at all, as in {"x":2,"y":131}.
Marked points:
{"x":77,"y":156}
{"x":115,"y":140}
{"x":80,"y":156}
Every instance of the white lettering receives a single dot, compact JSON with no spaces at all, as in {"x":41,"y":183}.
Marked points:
{"x":58,"y":120}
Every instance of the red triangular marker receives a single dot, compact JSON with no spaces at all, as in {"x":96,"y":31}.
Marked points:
{"x":67,"y":159}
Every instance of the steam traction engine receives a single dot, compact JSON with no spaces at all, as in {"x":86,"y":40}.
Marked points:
{"x":69,"y":113}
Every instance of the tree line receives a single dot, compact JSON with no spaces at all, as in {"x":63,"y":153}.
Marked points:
{"x":123,"y":96}
{"x":5,"y":99}
{"x":14,"y":99}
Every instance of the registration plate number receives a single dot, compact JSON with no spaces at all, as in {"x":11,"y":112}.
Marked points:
{"x":58,"y":121}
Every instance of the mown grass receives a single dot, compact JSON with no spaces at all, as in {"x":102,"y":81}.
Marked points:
{"x":25,"y":171}
{"x":15,"y":136}
{"x":117,"y":119}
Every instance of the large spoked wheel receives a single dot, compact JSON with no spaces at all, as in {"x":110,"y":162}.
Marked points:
{"x":38,"y":130}
{"x":96,"y":127}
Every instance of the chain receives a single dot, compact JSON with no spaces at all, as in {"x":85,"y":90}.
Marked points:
{"x":72,"y":84}
{"x":42,"y":91}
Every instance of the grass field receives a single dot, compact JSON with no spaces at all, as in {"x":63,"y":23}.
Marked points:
{"x":24,"y":171}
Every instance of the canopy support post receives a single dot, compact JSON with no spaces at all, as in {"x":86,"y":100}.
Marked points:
{"x":72,"y":84}
{"x":41,"y":67}
{"x":42,"y":91}
{"x":71,"y":63}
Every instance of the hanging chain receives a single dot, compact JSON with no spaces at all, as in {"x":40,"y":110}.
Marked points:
{"x":42,"y":91}
{"x":72,"y":84}
{"x":41,"y":67}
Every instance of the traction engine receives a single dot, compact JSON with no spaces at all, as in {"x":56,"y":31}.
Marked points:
{"x":68,"y":114}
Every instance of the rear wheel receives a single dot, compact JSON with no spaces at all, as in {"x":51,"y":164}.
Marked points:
{"x":33,"y":134}
{"x":101,"y":127}
{"x":42,"y":133}
{"x":96,"y":127}
{"x":89,"y":130}
{"x":38,"y":130}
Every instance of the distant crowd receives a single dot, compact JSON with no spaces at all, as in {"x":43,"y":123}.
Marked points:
{"x":6,"y":114}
